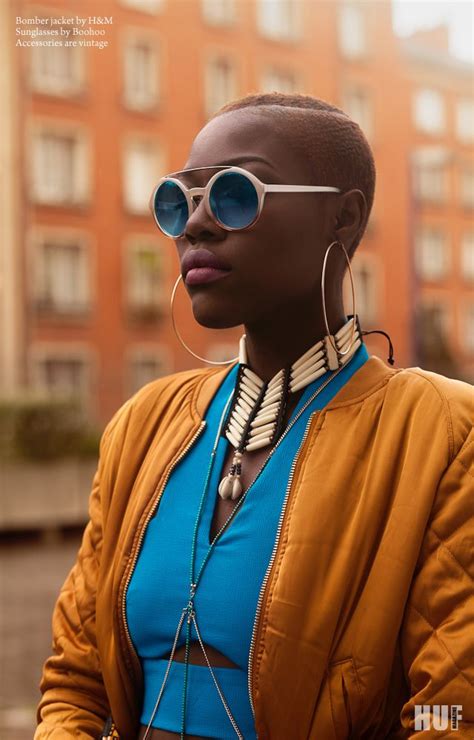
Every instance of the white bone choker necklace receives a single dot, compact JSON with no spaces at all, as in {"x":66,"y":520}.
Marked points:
{"x":255,"y":419}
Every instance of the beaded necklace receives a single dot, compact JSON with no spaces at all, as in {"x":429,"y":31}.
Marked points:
{"x":257,"y":414}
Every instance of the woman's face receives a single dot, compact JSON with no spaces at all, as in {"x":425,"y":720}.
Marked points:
{"x":276,"y":263}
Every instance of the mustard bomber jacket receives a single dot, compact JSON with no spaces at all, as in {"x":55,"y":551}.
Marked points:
{"x":366,"y":609}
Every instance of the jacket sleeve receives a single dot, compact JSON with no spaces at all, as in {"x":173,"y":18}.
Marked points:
{"x":437,"y":634}
{"x":74,"y":701}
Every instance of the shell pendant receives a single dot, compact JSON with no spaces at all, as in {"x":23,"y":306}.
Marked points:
{"x":231,"y":486}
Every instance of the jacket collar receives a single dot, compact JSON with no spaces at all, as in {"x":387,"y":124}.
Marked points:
{"x":373,"y":374}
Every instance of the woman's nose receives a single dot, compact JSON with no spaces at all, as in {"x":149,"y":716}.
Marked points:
{"x":200,"y":225}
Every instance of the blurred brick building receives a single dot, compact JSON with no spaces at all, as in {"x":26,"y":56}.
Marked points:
{"x":87,"y":277}
{"x":441,"y":130}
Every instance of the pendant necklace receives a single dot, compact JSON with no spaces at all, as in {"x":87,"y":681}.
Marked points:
{"x":257,"y":413}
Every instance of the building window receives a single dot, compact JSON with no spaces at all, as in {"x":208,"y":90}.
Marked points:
{"x":434,"y":337}
{"x":430,"y":183}
{"x":219,"y":12}
{"x":57,"y":70}
{"x":366,"y":289}
{"x":147,"y":6}
{"x":430,"y":173}
{"x":221,"y":83}
{"x":467,"y":255}
{"x":279,"y":80}
{"x":465,"y":120}
{"x":365,"y":280}
{"x":62,"y":372}
{"x":146,"y":364}
{"x":353,"y":30}
{"x":62,"y":275}
{"x":432,"y":254}
{"x":142,"y":169}
{"x":429,"y":111}
{"x":467,"y":339}
{"x":280,"y":19}
{"x":435,"y":318}
{"x":140,"y":74}
{"x":357,"y":103}
{"x":467,"y":188}
{"x":145,"y":279}
{"x":60,"y":167}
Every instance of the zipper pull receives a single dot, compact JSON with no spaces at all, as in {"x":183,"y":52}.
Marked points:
{"x":109,"y":731}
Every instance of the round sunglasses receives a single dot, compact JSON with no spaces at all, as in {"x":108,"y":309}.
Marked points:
{"x":233,"y":197}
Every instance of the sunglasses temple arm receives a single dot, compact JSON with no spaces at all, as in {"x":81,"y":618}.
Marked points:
{"x":300,"y":189}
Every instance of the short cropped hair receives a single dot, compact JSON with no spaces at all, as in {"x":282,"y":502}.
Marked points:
{"x":332,"y":143}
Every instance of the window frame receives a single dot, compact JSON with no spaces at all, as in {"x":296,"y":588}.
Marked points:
{"x":228,"y":19}
{"x":132,"y":37}
{"x":142,"y":350}
{"x":158,"y":154}
{"x":276,"y":70}
{"x":37,"y":239}
{"x":351,"y":54}
{"x":353,"y":88}
{"x":210,"y":107}
{"x":290,"y":33}
{"x":465,"y":135}
{"x":371,"y":262}
{"x":466,"y":245}
{"x":132,"y":244}
{"x":420,"y":265}
{"x":82,"y":173}
{"x":418,"y":105}
{"x":42,"y":351}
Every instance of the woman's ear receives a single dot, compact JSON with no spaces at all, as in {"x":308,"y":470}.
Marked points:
{"x":351,"y":217}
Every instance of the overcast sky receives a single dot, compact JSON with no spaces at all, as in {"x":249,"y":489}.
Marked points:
{"x":410,"y":15}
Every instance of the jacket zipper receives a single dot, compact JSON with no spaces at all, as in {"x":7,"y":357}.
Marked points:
{"x":275,"y":547}
{"x":267,"y":573}
{"x":137,"y":549}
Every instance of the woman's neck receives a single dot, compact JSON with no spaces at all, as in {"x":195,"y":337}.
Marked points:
{"x":278,"y":343}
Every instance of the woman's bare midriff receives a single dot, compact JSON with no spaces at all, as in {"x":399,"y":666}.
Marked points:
{"x":196,"y":657}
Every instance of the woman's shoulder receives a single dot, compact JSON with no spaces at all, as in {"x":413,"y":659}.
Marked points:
{"x":165,"y":394}
{"x":432,"y":394}
{"x":184,"y":381}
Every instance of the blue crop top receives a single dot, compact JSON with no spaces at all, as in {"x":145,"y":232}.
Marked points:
{"x":228,"y":591}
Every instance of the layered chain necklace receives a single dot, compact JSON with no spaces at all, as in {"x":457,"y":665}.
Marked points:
{"x":257,"y":413}
{"x":306,"y":369}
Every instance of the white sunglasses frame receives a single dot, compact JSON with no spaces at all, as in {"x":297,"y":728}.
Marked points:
{"x":261,"y":189}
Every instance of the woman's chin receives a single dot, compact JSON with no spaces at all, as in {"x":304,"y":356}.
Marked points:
{"x":211,"y":320}
{"x":213,"y":316}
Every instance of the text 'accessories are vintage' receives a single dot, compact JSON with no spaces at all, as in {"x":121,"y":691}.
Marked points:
{"x":233,"y":198}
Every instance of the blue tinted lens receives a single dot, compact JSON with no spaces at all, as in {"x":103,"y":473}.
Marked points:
{"x":234,"y":200}
{"x":171,"y":208}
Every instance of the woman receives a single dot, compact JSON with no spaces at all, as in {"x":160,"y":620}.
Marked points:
{"x":278,"y":549}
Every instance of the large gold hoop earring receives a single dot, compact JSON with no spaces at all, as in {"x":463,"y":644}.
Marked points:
{"x":180,"y":338}
{"x":353,"y":299}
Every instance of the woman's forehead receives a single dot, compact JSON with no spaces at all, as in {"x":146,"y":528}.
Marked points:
{"x":233,"y":138}
{"x":243,"y":137}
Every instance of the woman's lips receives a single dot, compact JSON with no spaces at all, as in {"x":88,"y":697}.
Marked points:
{"x":198,"y":275}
